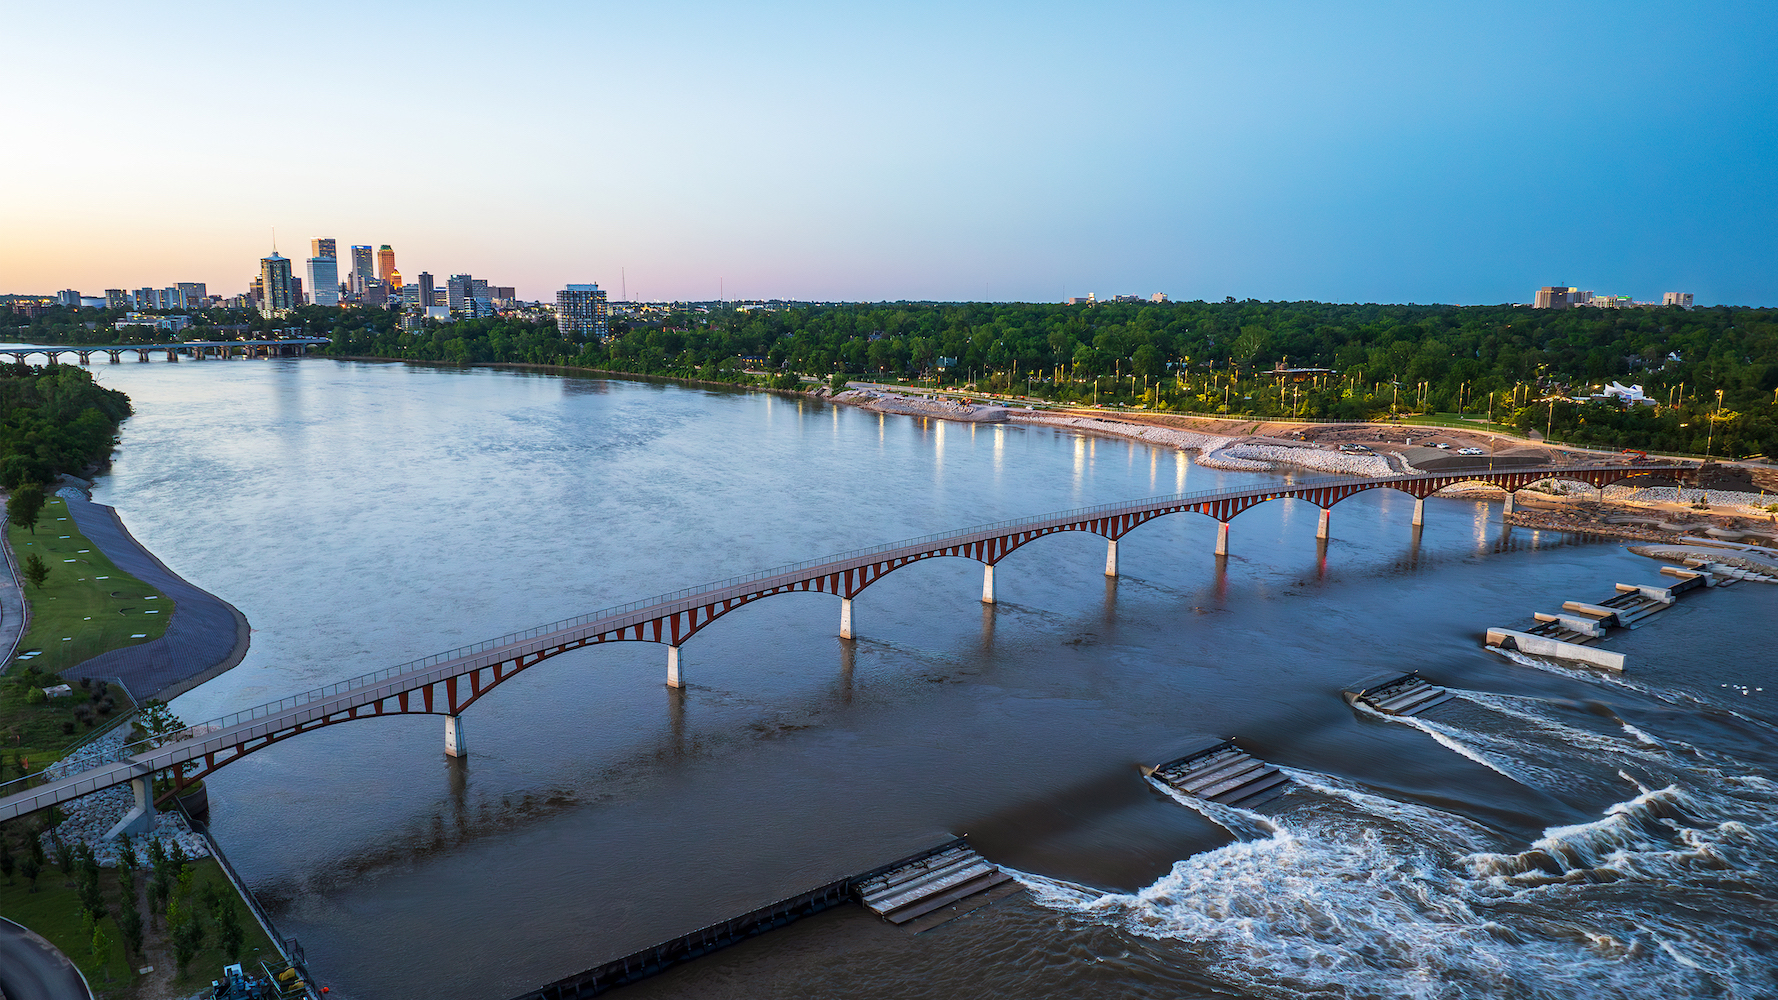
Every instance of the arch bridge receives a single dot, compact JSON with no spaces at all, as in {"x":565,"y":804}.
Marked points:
{"x":450,"y":682}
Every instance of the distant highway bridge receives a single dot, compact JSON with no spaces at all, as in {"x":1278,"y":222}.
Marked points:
{"x":450,"y":682}
{"x":197,"y":350}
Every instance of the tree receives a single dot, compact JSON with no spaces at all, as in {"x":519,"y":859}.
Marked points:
{"x":29,"y":868}
{"x":229,"y":934}
{"x":24,"y":506}
{"x":6,"y":864}
{"x":36,"y":570}
{"x":129,"y":920}
{"x":102,"y":952}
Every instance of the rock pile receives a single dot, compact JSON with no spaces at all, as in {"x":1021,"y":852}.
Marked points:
{"x":923,"y":406}
{"x":91,"y":817}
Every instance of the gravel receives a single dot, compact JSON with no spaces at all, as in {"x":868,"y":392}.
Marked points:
{"x":91,"y":817}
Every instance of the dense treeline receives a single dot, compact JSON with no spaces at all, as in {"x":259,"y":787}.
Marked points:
{"x":54,"y":419}
{"x":1510,"y":362}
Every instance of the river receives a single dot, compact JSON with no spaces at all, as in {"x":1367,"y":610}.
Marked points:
{"x":1550,"y":833}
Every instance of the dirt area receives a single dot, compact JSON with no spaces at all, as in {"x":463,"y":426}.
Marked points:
{"x":1649,"y":522}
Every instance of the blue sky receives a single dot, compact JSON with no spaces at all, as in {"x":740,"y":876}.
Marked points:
{"x":1346,"y":152}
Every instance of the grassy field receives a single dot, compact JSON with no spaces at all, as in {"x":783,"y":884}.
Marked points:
{"x":88,"y":606}
{"x":54,"y":912}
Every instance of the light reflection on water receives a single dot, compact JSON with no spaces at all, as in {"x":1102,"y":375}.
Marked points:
{"x":361,"y":515}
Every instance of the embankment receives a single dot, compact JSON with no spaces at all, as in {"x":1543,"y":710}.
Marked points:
{"x":205,"y":637}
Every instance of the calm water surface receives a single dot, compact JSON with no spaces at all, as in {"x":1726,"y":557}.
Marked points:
{"x":1550,"y":833}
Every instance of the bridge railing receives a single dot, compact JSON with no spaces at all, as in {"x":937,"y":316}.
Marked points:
{"x":991,"y":528}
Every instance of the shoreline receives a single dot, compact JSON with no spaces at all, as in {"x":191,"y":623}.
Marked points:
{"x":206,"y":635}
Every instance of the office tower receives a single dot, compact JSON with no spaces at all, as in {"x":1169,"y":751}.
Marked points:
{"x":147,"y":298}
{"x":296,"y":290}
{"x":324,"y":246}
{"x":68,"y":297}
{"x":256,"y":291}
{"x":394,"y":280}
{"x":386,"y":266}
{"x":581,"y":312}
{"x":117,"y":298}
{"x":324,"y":279}
{"x":363,"y":271}
{"x":426,"y":297}
{"x":195,"y":294}
{"x":275,"y":286}
{"x":456,"y":289}
{"x":1554,"y":297}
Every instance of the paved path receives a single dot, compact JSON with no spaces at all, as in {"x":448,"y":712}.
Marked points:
{"x":32,"y":969}
{"x":12,"y":606}
{"x":205,"y":637}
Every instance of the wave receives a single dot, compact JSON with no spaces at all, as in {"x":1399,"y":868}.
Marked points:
{"x":1349,"y":893}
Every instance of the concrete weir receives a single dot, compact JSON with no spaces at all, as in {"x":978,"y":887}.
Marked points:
{"x":1396,"y":694}
{"x":1217,"y":770}
{"x":1537,"y":645}
{"x":922,"y":890}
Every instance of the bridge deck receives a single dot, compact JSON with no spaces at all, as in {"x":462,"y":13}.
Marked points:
{"x":671,"y":618}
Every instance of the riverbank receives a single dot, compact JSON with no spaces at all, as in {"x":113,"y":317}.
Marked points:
{"x":204,"y":636}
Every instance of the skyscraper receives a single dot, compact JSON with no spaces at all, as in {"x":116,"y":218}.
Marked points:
{"x":324,"y":279}
{"x":386,"y":272}
{"x":581,"y":312}
{"x":196,"y":294}
{"x":276,"y":290}
{"x":117,"y":298}
{"x":324,"y":246}
{"x":362,"y":269}
{"x":426,"y":297}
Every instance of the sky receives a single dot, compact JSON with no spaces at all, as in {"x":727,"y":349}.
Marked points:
{"x":1348,"y":152}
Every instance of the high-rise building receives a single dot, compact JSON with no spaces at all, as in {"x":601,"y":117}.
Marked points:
{"x":457,"y":288}
{"x":276,"y":290}
{"x":196,"y":294}
{"x":1681,"y":299}
{"x":117,"y":298}
{"x":68,"y":297}
{"x":426,"y":296}
{"x":581,"y":312}
{"x":1554,"y":297}
{"x":171,"y":298}
{"x":363,"y":271}
{"x":324,"y":246}
{"x":394,"y":280}
{"x":324,"y":279}
{"x":386,"y":266}
{"x":147,"y":298}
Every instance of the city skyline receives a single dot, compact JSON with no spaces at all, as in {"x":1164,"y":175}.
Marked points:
{"x":1382,"y":153}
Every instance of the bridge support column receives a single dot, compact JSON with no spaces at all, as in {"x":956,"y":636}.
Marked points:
{"x":1419,"y":511}
{"x":1509,"y":501}
{"x":1321,"y":530}
{"x":845,"y":618}
{"x":988,"y":584}
{"x":140,"y":819}
{"x":1222,"y":538}
{"x":1111,"y":557}
{"x":455,"y":745}
{"x":674,"y":679}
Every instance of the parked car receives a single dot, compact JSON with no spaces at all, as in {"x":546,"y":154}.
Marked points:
{"x":1470,"y":451}
{"x":1443,"y":445}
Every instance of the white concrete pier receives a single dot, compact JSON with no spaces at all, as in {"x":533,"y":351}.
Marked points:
{"x":1222,"y":538}
{"x":1111,"y":557}
{"x":455,"y":745}
{"x":674,"y":679}
{"x":1321,"y":529}
{"x":988,"y":584}
{"x":845,"y":618}
{"x":1419,"y":511}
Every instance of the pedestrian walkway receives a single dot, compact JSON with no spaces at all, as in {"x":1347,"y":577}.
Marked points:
{"x":205,"y":637}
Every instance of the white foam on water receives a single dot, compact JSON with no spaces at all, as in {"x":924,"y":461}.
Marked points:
{"x":1349,"y":893}
{"x":1243,"y":823}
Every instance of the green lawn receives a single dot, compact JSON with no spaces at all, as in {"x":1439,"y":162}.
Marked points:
{"x":88,"y":606}
{"x":54,"y":912}
{"x":85,"y":608}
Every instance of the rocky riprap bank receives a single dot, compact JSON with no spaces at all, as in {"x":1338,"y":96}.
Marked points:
{"x":91,"y":817}
{"x":920,"y":406}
